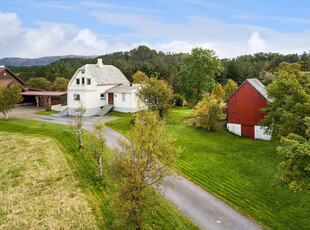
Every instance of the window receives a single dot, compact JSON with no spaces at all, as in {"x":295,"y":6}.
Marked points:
{"x":123,"y":96}
{"x":233,"y":114}
{"x":83,"y":80}
{"x":76,"y":97}
{"x":102,"y":96}
{"x":77,"y":81}
{"x":82,"y":71}
{"x":88,"y":81}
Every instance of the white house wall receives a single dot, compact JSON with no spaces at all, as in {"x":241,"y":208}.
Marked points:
{"x":90,"y":95}
{"x":130,"y":105}
{"x":259,"y":133}
{"x":234,"y":128}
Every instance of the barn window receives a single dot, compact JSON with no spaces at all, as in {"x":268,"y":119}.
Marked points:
{"x":88,"y":81}
{"x":76,"y":97}
{"x":123,"y":96}
{"x":102,"y":96}
{"x":233,"y":114}
{"x":77,"y":81}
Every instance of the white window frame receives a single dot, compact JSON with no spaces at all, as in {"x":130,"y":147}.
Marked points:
{"x":102,"y":98}
{"x":75,"y":97}
{"x":88,"y":79}
{"x":77,"y":80}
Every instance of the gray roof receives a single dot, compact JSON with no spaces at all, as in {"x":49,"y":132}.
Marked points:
{"x":257,"y":85}
{"x":105,"y":74}
{"x":124,"y":88}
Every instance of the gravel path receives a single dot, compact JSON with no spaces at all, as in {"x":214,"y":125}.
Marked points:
{"x":200,"y":206}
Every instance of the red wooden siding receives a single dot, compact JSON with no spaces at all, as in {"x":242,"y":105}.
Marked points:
{"x":244,"y":108}
{"x":247,"y":131}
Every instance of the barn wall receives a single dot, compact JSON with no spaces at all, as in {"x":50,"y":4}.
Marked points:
{"x":234,"y":128}
{"x":245,"y":105}
{"x":260,"y":133}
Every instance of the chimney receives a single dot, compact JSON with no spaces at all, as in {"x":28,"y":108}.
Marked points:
{"x":99,"y":63}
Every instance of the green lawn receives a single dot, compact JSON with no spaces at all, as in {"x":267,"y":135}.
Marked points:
{"x":239,"y":170}
{"x":84,"y":169}
{"x":47,"y":112}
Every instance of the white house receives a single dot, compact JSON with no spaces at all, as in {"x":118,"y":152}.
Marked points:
{"x":100,"y":88}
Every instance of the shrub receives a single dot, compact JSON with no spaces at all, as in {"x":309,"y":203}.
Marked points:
{"x":177,"y":100}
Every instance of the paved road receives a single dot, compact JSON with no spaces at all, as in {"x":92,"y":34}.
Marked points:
{"x":200,"y":206}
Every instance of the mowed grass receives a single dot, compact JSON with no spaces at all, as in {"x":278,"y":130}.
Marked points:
{"x":47,"y":112}
{"x":37,"y":188}
{"x":83,"y":166}
{"x":241,"y":171}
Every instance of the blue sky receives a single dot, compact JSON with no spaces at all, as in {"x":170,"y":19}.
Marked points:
{"x":31,"y":28}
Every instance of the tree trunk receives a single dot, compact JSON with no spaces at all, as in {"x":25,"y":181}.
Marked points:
{"x":99,"y":165}
{"x":80,"y":139}
{"x":6,"y":116}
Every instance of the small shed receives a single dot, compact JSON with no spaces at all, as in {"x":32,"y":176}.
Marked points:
{"x":244,"y":110}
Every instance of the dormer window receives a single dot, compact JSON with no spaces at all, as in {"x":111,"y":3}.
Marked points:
{"x":88,"y":80}
{"x":82,"y":71}
{"x":77,"y":81}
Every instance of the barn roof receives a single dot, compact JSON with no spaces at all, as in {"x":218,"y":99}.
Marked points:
{"x":105,"y":74}
{"x":257,"y":85}
{"x":124,"y":88}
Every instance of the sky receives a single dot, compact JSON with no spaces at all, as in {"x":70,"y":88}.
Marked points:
{"x":32,"y":28}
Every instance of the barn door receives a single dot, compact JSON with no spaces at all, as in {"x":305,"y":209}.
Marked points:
{"x":247,"y":131}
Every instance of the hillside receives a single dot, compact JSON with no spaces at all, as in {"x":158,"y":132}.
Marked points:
{"x":17,"y":61}
{"x":164,"y":65}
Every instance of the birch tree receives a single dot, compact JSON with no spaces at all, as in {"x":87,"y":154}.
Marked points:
{"x":139,"y":164}
{"x":9,"y":97}
{"x":77,"y":123}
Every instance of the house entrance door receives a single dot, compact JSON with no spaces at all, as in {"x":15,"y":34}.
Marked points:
{"x":111,"y":102}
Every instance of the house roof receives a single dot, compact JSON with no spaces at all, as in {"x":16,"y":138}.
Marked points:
{"x":126,"y":88}
{"x":43,"y":93}
{"x":2,"y":68}
{"x":6,"y":82}
{"x":105,"y":74}
{"x":257,"y":85}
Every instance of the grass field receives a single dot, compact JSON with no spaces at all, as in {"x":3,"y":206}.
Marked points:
{"x":37,"y":189}
{"x":83,"y":167}
{"x":47,"y":112}
{"x":241,"y":171}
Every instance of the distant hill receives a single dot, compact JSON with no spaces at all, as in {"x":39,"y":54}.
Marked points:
{"x":16,"y":61}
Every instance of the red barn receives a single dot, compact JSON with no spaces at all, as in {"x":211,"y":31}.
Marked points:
{"x":244,"y":110}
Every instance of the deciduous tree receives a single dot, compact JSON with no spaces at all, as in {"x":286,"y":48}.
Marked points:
{"x":60,"y":84}
{"x":290,"y":102}
{"x":40,"y":83}
{"x":296,"y":164}
{"x":77,"y":123}
{"x":208,"y":112}
{"x":229,"y":88}
{"x":139,"y":77}
{"x":9,"y":97}
{"x":157,"y":96}
{"x":142,"y":162}
{"x":197,"y":73}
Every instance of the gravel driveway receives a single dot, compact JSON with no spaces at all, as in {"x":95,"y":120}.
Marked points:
{"x":27,"y":112}
{"x":200,"y":206}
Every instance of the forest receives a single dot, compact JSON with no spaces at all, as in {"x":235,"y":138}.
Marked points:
{"x":166,"y":65}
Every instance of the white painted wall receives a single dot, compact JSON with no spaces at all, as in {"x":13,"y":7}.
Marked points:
{"x":130,"y":105}
{"x":234,"y":128}
{"x":259,"y":133}
{"x":90,"y":95}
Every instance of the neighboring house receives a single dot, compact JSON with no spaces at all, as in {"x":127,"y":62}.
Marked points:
{"x":244,"y":110}
{"x":31,"y":95}
{"x":100,"y":88}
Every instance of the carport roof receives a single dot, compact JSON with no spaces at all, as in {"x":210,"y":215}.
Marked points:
{"x":43,"y":93}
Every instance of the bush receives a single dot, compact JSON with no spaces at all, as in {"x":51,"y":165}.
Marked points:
{"x":177,"y":100}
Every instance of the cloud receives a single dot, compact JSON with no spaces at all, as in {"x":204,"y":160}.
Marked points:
{"x":227,"y":39}
{"x":256,"y":43}
{"x":290,"y":20}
